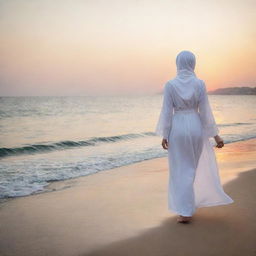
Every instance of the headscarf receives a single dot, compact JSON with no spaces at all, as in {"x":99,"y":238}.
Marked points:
{"x":185,"y":62}
{"x":185,"y":81}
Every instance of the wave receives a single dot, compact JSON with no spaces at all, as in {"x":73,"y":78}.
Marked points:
{"x":228,"y":139}
{"x":233,"y":124}
{"x":62,"y":145}
{"x":40,"y":148}
{"x":33,"y":176}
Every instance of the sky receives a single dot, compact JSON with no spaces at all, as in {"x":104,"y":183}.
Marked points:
{"x":122,"y":47}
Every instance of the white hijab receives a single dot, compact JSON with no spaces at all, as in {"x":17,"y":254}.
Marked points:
{"x":185,"y":62}
{"x":186,"y":80}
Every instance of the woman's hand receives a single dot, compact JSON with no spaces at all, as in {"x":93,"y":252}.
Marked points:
{"x":219,"y":141}
{"x":165,"y":144}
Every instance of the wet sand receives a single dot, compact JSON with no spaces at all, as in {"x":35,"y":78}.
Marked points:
{"x":123,"y":211}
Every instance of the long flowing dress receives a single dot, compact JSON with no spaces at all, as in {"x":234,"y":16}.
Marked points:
{"x":187,"y":122}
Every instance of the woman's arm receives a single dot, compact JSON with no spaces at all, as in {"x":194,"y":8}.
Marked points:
{"x":208,"y":121}
{"x":205,"y":112}
{"x":163,"y":126}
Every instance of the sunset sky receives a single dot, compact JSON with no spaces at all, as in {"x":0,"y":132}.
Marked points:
{"x":92,"y":47}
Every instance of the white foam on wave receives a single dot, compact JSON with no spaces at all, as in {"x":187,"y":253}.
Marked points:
{"x":22,"y":178}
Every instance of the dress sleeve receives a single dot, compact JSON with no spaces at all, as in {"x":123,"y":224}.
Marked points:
{"x":209,"y":125}
{"x":163,"y":126}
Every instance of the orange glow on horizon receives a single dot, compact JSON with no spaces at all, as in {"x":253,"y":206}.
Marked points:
{"x":74,"y":48}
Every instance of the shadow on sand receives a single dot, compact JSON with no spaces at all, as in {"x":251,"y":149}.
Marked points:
{"x":222,"y":230}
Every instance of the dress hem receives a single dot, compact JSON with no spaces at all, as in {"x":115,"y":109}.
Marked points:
{"x":201,"y":206}
{"x":215,"y":204}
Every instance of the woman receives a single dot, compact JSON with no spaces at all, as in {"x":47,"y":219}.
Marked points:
{"x":186,"y":123}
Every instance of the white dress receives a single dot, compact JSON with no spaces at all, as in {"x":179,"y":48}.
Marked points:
{"x":187,"y":122}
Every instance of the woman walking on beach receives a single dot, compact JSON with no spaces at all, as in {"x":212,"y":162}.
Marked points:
{"x":186,"y":123}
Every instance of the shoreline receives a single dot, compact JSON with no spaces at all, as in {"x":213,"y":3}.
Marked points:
{"x":124,"y":212}
{"x":58,"y":185}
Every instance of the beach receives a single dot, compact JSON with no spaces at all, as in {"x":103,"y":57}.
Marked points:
{"x":88,"y":91}
{"x":123,"y":211}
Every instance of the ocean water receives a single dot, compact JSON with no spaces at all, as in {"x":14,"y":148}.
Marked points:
{"x":45,"y":139}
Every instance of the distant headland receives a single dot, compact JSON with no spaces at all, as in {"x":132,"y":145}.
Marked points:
{"x":234,"y":91}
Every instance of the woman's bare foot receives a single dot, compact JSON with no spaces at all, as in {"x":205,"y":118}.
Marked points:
{"x":184,"y":219}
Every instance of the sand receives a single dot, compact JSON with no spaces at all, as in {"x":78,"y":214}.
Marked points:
{"x":123,"y":211}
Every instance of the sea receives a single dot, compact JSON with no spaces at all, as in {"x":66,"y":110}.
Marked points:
{"x":47,"y":139}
